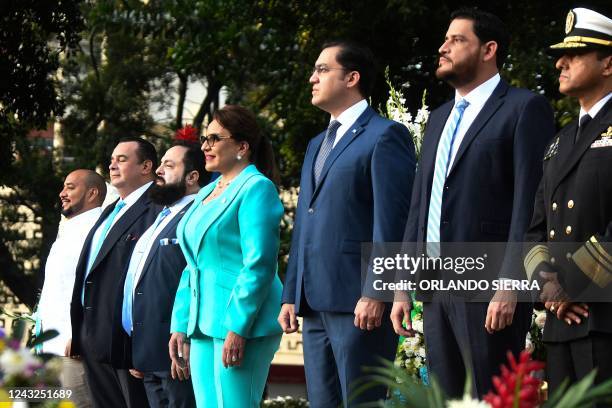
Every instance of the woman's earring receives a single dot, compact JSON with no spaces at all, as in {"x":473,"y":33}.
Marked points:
{"x":238,"y":157}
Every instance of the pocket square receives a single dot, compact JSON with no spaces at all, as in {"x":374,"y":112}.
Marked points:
{"x":603,"y":142}
{"x":168,"y":241}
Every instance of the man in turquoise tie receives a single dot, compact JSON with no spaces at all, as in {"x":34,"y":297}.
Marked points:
{"x":97,"y":332}
{"x":480,"y":167}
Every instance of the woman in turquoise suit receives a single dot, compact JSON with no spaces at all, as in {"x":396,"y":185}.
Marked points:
{"x":224,"y":327}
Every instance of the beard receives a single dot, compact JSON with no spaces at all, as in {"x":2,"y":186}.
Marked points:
{"x":167,"y":194}
{"x":73,"y":210}
{"x":460,"y":73}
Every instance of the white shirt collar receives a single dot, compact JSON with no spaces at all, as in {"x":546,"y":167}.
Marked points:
{"x":77,"y":219}
{"x":596,"y":108}
{"x":136,"y":194}
{"x":350,"y":115}
{"x":348,"y":118}
{"x":479,"y":95}
{"x":181,"y":203}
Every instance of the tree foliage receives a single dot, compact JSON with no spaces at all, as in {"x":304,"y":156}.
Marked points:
{"x":136,"y":55}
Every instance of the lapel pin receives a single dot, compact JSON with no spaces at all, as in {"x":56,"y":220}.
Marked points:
{"x":354,"y":130}
{"x":223,"y":200}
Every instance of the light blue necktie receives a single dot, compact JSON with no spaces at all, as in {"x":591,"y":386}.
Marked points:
{"x":326,"y":147}
{"x":128,"y":287}
{"x":443,"y":158}
{"x":94,"y":252}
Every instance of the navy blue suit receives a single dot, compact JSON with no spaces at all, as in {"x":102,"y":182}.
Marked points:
{"x":363,"y":196}
{"x":152,"y":308}
{"x":488,"y":197}
{"x":97,"y":335}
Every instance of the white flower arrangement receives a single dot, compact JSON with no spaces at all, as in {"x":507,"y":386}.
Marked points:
{"x":397,"y":111}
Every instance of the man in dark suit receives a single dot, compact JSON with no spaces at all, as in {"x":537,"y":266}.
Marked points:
{"x":568,"y":243}
{"x":153,"y":275}
{"x":355,"y":188}
{"x":477,"y":177}
{"x":95,"y":309}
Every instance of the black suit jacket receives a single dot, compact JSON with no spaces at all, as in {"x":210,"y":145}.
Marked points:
{"x":571,"y":229}
{"x":154,"y":299}
{"x":488,"y":194}
{"x":101,"y":314}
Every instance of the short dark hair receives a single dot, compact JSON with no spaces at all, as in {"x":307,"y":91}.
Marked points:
{"x":487,"y":27}
{"x":145,"y":150}
{"x":194,"y":160}
{"x":356,"y":57}
{"x":242,"y":124}
{"x":94,"y":180}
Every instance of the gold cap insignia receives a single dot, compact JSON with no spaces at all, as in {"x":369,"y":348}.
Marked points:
{"x":570,"y":21}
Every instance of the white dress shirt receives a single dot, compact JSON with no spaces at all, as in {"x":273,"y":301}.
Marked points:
{"x":129,"y":202}
{"x":146,"y":241}
{"x":477,"y":98}
{"x":348,"y":118}
{"x":54,"y":306}
{"x":596,"y":108}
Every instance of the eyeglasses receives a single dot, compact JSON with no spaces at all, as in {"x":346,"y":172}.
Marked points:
{"x":324,"y":69}
{"x":212,"y":138}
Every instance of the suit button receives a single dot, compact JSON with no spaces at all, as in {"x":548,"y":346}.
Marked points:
{"x":554,"y":206}
{"x":570,"y":204}
{"x":310,"y":211}
{"x":568,"y":230}
{"x":551,"y":234}
{"x":553,"y":260}
{"x":568,"y":255}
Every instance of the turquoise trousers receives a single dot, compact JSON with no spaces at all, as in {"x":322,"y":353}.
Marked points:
{"x":234,"y":387}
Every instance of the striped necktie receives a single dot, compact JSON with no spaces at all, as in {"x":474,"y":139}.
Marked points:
{"x":326,"y":148}
{"x":128,"y":287}
{"x":443,"y":156}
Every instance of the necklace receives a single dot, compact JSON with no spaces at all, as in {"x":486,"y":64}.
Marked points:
{"x":219,"y":188}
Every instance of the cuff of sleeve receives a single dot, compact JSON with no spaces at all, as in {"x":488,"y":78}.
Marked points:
{"x":536,"y":259}
{"x":595,"y":262}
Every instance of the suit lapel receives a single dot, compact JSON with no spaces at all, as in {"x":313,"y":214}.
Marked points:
{"x":307,"y":185}
{"x":495,"y":101}
{"x":163,"y":233}
{"x":573,"y":152}
{"x":220,"y":204}
{"x":355,"y":130}
{"x":87,"y":245}
{"x":122,"y":224}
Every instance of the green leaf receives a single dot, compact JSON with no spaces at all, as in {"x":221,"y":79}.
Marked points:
{"x":44,"y":336}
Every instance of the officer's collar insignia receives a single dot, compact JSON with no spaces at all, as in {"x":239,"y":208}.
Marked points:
{"x":552,"y":149}
{"x":607,"y":133}
{"x":569,"y":22}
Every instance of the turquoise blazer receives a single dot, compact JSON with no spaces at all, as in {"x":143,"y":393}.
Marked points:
{"x":231,"y":248}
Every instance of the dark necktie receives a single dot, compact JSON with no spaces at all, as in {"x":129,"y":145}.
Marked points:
{"x":326,"y":147}
{"x":584,"y":121}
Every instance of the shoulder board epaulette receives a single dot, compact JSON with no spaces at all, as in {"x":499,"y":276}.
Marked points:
{"x":552,"y":149}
